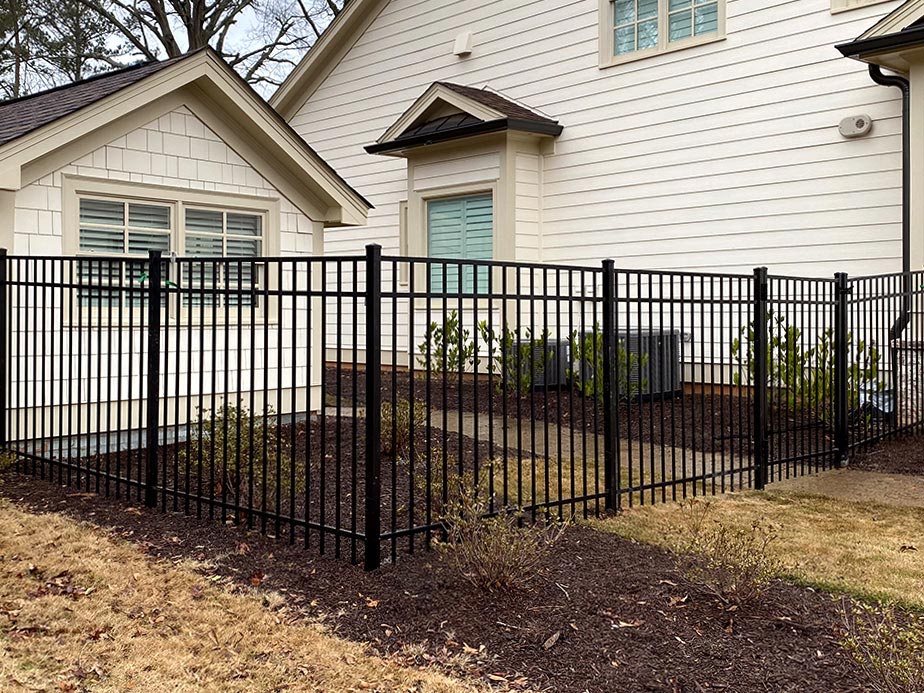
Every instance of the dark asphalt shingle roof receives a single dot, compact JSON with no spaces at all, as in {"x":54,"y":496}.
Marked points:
{"x":508,"y":108}
{"x":21,"y":116}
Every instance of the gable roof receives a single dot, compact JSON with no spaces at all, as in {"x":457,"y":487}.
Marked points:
{"x":901,"y":28}
{"x":473,"y":112}
{"x":51,"y":126}
{"x":326,"y":53}
{"x":498,"y":102}
{"x":27,"y":113}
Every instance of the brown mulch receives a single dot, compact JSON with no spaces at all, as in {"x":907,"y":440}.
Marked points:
{"x":899,"y":456}
{"x":703,"y":421}
{"x":606,"y":615}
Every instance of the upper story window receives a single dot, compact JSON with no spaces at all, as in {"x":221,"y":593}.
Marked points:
{"x":842,"y":5}
{"x":632,"y":29}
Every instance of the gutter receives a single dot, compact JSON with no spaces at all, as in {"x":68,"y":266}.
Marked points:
{"x":879,"y":44}
{"x":875,"y":72}
{"x":904,"y":316}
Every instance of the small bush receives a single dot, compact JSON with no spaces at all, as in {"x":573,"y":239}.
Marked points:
{"x":396,"y":429}
{"x":233,"y":442}
{"x":888,"y":650}
{"x":586,"y":372}
{"x":800,"y":367}
{"x":496,"y":552}
{"x":7,"y":460}
{"x":439,"y":491}
{"x":731,"y":563}
{"x":513,"y":359}
{"x":448,"y":347}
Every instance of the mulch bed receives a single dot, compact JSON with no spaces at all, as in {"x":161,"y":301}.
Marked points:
{"x":607,"y":614}
{"x":329,"y":484}
{"x":900,"y":456}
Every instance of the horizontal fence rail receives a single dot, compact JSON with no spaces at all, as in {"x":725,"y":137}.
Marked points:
{"x":347,"y":402}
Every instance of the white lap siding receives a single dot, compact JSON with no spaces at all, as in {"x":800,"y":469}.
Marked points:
{"x":89,"y":363}
{"x":719,"y":157}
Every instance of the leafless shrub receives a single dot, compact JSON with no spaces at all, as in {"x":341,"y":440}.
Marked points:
{"x":7,"y":460}
{"x":396,"y":429}
{"x":886,"y":646}
{"x":492,"y":552}
{"x":732,"y":563}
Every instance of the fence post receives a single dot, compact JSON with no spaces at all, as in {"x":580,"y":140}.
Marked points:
{"x":610,"y":463}
{"x":761,"y":440}
{"x":4,"y":353}
{"x":152,"y":422}
{"x":841,"y":435}
{"x":372,"y":554}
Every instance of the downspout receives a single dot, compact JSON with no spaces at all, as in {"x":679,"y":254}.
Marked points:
{"x":904,"y":316}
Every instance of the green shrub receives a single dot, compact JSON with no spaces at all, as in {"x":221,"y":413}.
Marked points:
{"x":800,"y":370}
{"x":888,"y":650}
{"x":586,"y":372}
{"x":492,"y":552}
{"x":448,"y":346}
{"x":513,"y":359}
{"x":232,"y":440}
{"x":732,"y":563}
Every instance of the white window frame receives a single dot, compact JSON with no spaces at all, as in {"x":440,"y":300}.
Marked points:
{"x":606,"y":21}
{"x":178,"y":199}
{"x":846,"y":5}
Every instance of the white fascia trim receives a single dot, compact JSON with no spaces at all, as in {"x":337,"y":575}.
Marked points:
{"x":221,"y":91}
{"x":325,"y":55}
{"x":897,"y":20}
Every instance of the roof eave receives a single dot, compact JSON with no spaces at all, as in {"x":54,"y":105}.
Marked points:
{"x":862,"y":48}
{"x":393,"y":147}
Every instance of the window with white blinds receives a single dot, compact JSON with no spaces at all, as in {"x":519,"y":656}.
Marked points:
{"x":119,"y":228}
{"x":111,"y":227}
{"x":211,"y":233}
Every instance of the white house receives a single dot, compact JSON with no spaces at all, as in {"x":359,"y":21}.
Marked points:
{"x":685,"y":135}
{"x":180,"y":156}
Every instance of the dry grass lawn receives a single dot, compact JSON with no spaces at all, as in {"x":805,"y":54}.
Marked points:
{"x":81,"y":611}
{"x":873,"y":551}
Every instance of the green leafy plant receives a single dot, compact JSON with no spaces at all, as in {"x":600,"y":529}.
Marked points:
{"x":586,"y":371}
{"x":887,"y":648}
{"x":732,"y":563}
{"x":800,"y":369}
{"x":234,"y":442}
{"x":492,"y":552}
{"x":517,"y":361}
{"x":448,"y":347}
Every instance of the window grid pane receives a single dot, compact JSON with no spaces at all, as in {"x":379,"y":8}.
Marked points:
{"x":122,"y":228}
{"x":639,"y":25}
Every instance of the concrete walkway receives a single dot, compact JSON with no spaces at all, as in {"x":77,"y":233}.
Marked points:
{"x":529,"y":436}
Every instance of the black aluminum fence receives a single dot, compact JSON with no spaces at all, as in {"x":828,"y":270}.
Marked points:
{"x":342,"y":402}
